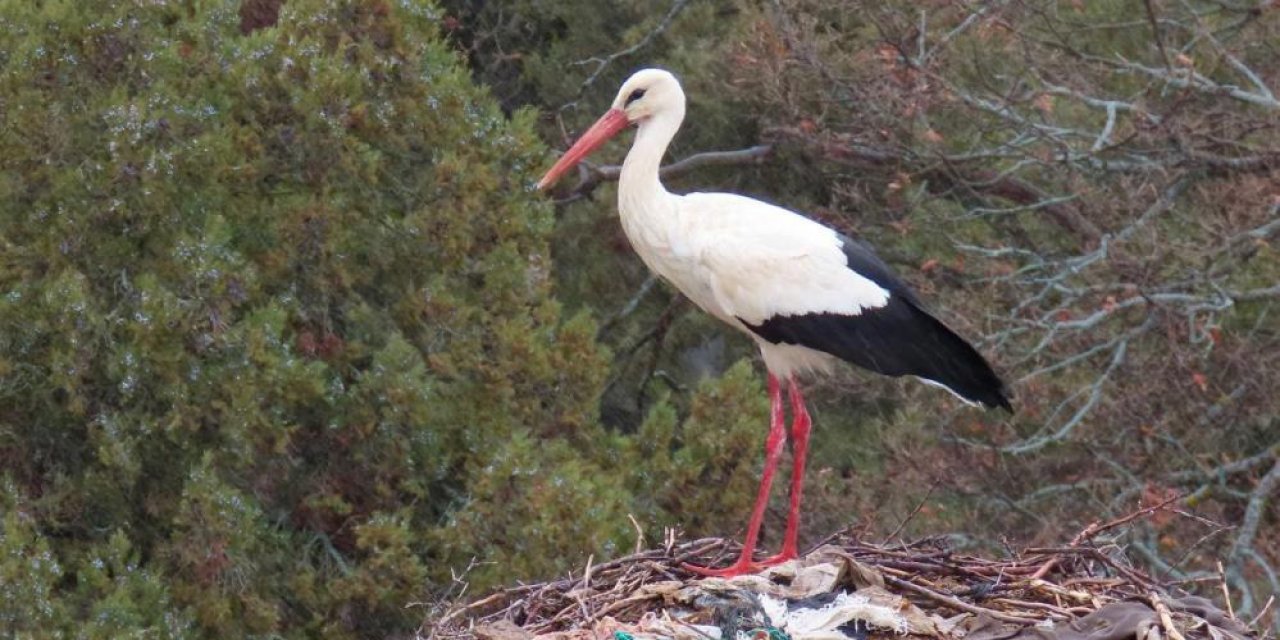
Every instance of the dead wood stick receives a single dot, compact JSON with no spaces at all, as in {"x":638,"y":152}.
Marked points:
{"x":1026,"y":604}
{"x":902,"y":525}
{"x":956,"y":603}
{"x":1226,"y":593}
{"x":594,"y":176}
{"x":484,"y":601}
{"x":1095,"y":528}
{"x":1265,"y":608}
{"x":1166,"y":618}
{"x":1102,"y":582}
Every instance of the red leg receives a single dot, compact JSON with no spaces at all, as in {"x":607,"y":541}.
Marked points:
{"x":800,"y":425}
{"x":772,"y":451}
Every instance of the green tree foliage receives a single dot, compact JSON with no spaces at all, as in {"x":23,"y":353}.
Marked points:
{"x":278,"y":345}
{"x":29,"y":572}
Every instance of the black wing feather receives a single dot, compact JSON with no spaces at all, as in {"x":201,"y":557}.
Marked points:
{"x":900,"y":338}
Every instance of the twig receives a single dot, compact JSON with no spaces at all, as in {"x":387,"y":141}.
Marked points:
{"x":957,"y":604}
{"x":639,"y":533}
{"x":1104,"y":137}
{"x":1166,"y":619}
{"x":1094,"y":528}
{"x":1226,"y":594}
{"x":919,"y":506}
{"x":1173,"y":566}
{"x":1253,"y":512}
{"x":1154,"y":20}
{"x":602,"y":64}
{"x":1059,"y":611}
{"x":481,"y":603}
{"x":1193,"y":80}
{"x":629,"y":307}
{"x":1095,"y":395}
{"x":1089,"y":532}
{"x":1265,"y":608}
{"x":594,"y":176}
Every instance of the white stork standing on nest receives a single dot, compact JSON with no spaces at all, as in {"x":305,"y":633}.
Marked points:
{"x":805,"y":293}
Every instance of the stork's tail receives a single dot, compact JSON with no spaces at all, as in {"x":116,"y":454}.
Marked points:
{"x":898,"y":339}
{"x":960,"y":369}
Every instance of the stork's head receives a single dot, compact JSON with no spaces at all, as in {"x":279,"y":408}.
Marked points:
{"x":649,"y":94}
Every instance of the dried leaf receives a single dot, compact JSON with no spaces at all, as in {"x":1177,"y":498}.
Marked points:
{"x":1044,"y":103}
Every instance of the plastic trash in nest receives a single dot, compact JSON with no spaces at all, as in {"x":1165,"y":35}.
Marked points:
{"x":810,"y":599}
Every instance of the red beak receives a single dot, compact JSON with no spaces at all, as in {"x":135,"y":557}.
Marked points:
{"x":608,"y":126}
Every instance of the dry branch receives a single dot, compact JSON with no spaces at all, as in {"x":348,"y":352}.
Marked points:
{"x":591,"y":177}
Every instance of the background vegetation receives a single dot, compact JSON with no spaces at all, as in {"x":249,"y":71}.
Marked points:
{"x":288,"y":344}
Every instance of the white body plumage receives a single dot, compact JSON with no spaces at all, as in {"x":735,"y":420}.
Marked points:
{"x":804,"y":293}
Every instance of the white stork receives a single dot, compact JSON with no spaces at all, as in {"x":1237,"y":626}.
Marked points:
{"x":805,"y":293}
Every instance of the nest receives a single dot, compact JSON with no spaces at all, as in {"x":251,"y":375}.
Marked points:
{"x":847,"y":588}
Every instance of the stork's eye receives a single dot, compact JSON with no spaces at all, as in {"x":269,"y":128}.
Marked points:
{"x":635,"y":95}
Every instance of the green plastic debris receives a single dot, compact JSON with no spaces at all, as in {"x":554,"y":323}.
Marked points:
{"x":767,"y":633}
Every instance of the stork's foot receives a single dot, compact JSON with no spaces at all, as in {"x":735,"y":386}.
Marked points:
{"x":739,"y":568}
{"x":784,"y":556}
{"x":744,"y":565}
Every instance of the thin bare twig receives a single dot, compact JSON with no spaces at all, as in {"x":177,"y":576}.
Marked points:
{"x":603,"y":63}
{"x":923,"y":501}
{"x":593,"y":176}
{"x":957,"y":604}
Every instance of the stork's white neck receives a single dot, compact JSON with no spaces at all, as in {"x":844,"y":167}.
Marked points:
{"x":639,"y":188}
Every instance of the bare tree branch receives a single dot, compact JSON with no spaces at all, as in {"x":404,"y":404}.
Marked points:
{"x":1266,"y":489}
{"x":592,"y":177}
{"x":603,"y":63}
{"x":1190,"y":79}
{"x":947,"y":177}
{"x":1091,"y":400}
